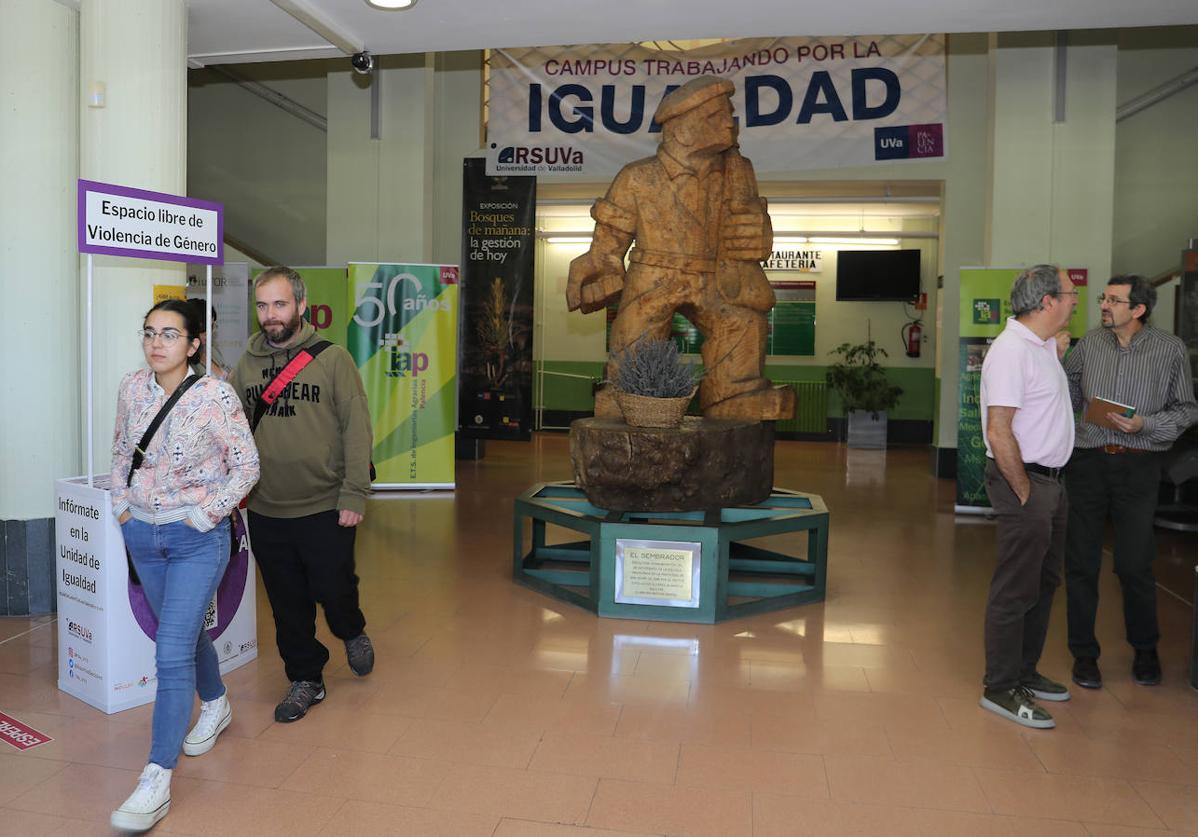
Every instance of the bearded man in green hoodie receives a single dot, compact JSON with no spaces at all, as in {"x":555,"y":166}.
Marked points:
{"x":314,"y":443}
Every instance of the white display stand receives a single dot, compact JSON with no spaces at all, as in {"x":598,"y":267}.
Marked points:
{"x":105,"y":628}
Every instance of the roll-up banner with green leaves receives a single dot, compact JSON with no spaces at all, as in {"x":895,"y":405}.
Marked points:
{"x":403,"y":336}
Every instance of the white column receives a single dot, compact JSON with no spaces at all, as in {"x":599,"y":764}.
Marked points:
{"x":39,"y":342}
{"x":1052,"y":185}
{"x":380,"y":191}
{"x":134,"y":54}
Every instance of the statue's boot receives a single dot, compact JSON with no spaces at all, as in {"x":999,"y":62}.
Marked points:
{"x":774,"y":404}
{"x":605,"y":403}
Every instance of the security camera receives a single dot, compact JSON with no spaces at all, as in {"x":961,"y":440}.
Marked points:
{"x":362,"y":62}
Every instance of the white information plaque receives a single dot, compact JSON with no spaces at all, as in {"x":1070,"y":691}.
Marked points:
{"x":664,"y":573}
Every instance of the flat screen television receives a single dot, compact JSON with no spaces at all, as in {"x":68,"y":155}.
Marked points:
{"x":877,"y":275}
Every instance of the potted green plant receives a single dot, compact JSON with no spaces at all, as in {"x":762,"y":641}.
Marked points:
{"x":864,"y":390}
{"x":653,"y":386}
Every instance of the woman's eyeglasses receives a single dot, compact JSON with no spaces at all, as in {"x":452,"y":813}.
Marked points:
{"x":170,"y":336}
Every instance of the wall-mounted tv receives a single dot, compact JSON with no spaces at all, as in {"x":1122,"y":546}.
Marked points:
{"x":877,"y":275}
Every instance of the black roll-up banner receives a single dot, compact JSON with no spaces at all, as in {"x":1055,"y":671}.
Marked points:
{"x":498,"y":248}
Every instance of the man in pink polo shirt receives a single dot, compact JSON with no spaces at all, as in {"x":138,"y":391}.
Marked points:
{"x":1027,"y":422}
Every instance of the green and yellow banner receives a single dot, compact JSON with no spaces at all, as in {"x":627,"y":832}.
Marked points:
{"x":403,"y":336}
{"x":985,"y":307}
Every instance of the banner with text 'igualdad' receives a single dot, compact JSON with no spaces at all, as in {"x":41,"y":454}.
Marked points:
{"x":802,"y":103}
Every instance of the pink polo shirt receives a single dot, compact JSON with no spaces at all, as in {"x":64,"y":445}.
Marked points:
{"x":1023,"y":371}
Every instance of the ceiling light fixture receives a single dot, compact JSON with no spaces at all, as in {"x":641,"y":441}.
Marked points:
{"x":391,"y":5}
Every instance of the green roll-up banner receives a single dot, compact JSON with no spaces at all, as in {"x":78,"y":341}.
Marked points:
{"x":403,"y":336}
{"x":985,"y":307}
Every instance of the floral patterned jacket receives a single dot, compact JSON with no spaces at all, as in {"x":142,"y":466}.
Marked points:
{"x":199,"y":464}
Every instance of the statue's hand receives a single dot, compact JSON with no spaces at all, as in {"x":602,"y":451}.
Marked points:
{"x":593,"y":282}
{"x":746,"y":231}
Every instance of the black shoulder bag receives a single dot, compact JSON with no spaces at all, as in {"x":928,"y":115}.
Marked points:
{"x":139,"y":452}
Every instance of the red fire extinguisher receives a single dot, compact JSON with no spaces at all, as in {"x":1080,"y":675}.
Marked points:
{"x":913,"y":334}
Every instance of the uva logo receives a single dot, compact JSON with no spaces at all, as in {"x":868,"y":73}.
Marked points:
{"x":536,"y":155}
{"x":407,"y":364}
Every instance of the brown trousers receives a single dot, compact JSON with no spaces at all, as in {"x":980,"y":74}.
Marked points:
{"x":1030,"y":543}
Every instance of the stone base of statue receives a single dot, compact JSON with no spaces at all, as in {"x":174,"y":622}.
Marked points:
{"x":703,"y":464}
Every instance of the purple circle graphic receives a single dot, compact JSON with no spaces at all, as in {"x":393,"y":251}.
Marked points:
{"x":228,"y":593}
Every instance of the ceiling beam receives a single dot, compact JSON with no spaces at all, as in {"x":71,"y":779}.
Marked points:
{"x":323,"y":25}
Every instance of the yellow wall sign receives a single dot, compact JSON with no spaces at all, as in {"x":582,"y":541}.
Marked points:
{"x":163,"y":292}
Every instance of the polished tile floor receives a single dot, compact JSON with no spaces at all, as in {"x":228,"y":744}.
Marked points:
{"x":496,"y":711}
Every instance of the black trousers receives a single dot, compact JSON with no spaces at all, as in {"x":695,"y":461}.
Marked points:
{"x":305,"y":560}
{"x":1031,"y":550}
{"x":1123,"y":487}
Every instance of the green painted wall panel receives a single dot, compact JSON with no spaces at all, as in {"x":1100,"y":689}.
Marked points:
{"x":574,"y":394}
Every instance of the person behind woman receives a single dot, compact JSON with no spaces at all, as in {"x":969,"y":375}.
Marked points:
{"x":199,"y":362}
{"x":173,"y":512}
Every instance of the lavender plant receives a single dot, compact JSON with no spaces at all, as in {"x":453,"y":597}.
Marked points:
{"x":653,"y":368}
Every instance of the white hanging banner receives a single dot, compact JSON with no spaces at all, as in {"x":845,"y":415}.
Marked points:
{"x":802,"y":103}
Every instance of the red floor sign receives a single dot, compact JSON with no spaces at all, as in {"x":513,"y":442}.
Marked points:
{"x":19,"y":735}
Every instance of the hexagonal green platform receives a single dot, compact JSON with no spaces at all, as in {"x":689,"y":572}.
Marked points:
{"x":672,"y":566}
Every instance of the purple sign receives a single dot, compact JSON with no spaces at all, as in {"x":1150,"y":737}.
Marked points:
{"x":228,"y":593}
{"x":121,"y":221}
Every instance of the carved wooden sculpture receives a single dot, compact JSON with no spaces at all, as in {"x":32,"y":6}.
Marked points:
{"x":701,"y":233}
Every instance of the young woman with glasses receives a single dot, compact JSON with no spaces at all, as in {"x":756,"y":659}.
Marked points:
{"x":173,"y":511}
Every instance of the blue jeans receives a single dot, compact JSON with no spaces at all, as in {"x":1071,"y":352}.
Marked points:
{"x":179,"y":569}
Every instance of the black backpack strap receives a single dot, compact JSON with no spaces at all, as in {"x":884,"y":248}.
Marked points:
{"x":139,"y":452}
{"x":286,"y":375}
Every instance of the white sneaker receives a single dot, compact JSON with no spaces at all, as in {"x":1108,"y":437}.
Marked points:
{"x":148,"y":803}
{"x":215,"y":715}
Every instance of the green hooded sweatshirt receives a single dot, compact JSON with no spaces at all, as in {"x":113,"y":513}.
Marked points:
{"x":315,"y":442}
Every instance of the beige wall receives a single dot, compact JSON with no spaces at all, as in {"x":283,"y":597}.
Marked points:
{"x":1156,"y":155}
{"x":266,"y":165}
{"x":398,"y":198}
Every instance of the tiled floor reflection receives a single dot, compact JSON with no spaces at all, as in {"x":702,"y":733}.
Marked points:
{"x":496,"y":711}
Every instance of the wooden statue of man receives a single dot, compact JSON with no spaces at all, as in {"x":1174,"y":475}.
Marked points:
{"x":701,"y":233}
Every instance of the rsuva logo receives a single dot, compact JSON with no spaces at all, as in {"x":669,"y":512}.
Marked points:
{"x":76,"y":630}
{"x":538,"y":155}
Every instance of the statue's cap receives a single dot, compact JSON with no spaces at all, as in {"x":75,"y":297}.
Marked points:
{"x":690,"y":95}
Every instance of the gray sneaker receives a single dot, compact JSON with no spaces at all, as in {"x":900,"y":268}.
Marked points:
{"x":302,"y":695}
{"x":1044,"y":689}
{"x":1017,"y":705}
{"x":359,"y":653}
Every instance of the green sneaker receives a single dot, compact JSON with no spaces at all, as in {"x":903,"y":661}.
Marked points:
{"x":1017,"y":705}
{"x":1044,"y":689}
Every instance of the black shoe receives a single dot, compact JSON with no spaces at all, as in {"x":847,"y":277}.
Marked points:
{"x":1086,"y":673}
{"x":300,"y":696}
{"x":1044,"y":689}
{"x":359,"y":653}
{"x":1146,"y":669}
